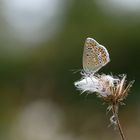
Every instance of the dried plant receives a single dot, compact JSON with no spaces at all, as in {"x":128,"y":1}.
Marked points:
{"x":111,"y":90}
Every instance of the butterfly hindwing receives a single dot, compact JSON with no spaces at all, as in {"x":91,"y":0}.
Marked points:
{"x":95,"y":56}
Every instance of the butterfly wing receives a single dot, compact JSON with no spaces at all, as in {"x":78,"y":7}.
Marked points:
{"x":95,"y":56}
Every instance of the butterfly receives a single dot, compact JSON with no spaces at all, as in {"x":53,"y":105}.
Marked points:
{"x":95,"y":56}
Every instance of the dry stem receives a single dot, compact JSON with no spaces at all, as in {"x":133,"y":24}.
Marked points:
{"x":115,"y":113}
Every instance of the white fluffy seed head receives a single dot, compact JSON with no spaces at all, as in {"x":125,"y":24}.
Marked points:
{"x":100,"y":84}
{"x":111,"y":90}
{"x":88,"y":84}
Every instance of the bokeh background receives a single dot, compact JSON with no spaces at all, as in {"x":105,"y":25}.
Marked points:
{"x":41,"y":46}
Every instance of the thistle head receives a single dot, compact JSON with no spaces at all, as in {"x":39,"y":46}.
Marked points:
{"x":111,"y":90}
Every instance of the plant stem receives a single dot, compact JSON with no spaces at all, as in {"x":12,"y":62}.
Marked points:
{"x":115,"y":113}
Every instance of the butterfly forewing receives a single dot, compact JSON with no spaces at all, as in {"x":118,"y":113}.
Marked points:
{"x":95,"y":56}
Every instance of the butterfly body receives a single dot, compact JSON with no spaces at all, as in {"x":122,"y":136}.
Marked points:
{"x":95,"y":56}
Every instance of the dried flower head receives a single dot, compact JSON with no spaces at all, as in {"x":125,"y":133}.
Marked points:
{"x":112,"y":90}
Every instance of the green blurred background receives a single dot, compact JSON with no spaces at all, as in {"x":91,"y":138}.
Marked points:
{"x":41,"y":46}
